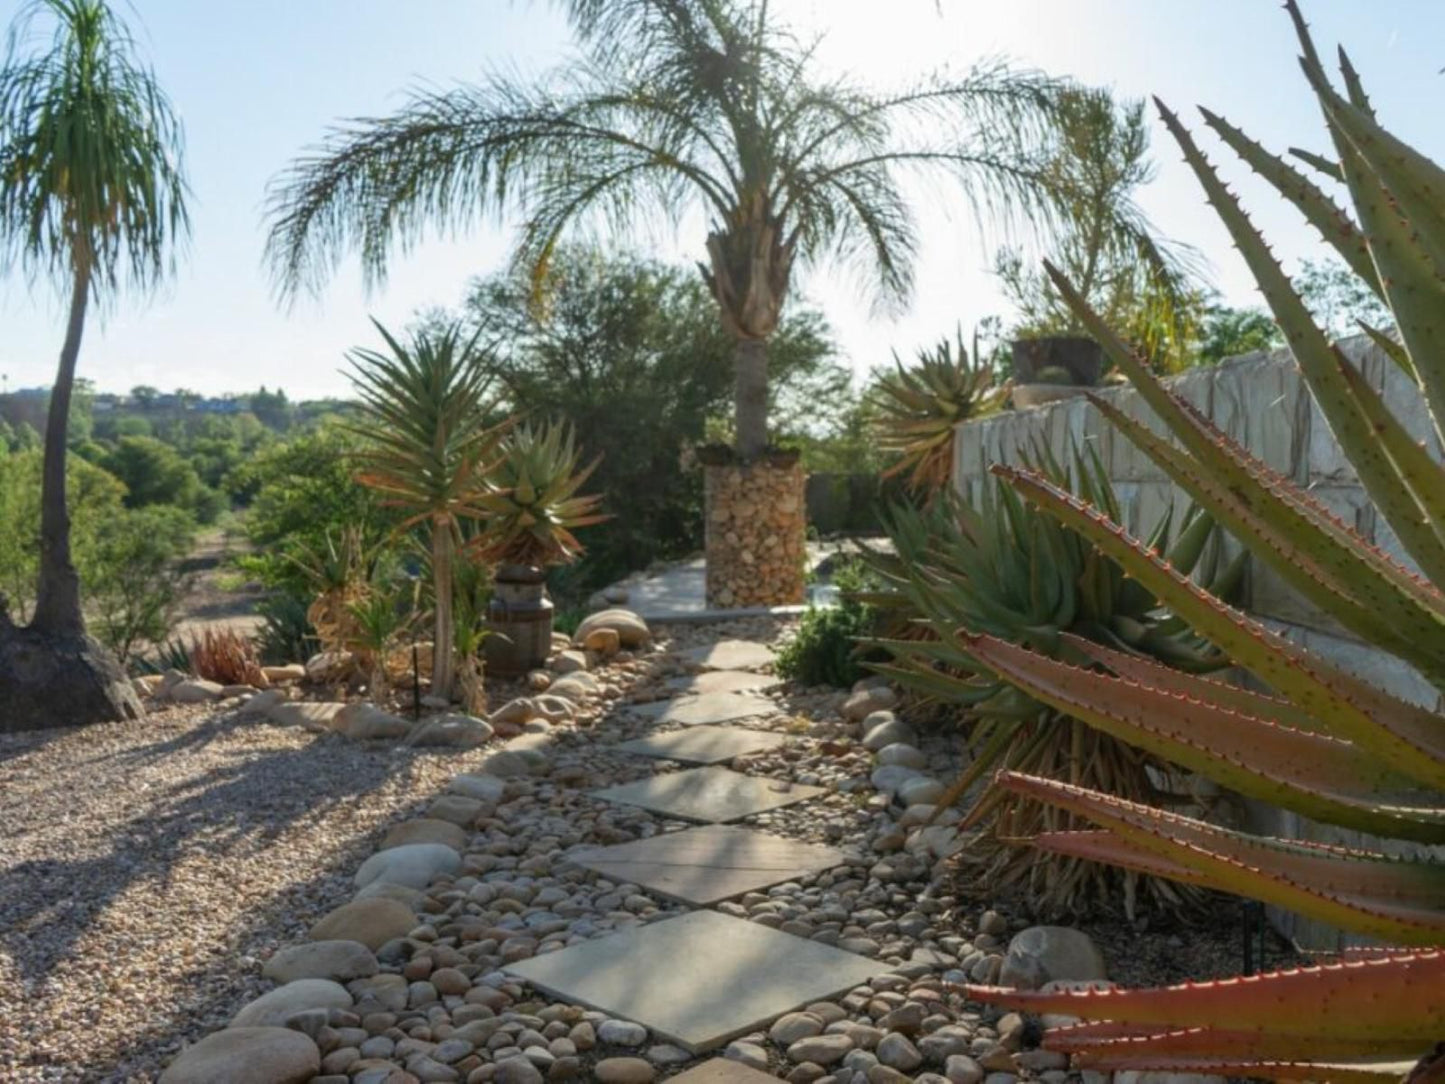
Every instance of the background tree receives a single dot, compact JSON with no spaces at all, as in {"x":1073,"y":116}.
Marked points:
{"x":92,"y":198}
{"x":676,"y":106}
{"x":1227,"y":332}
{"x":1108,"y":245}
{"x":1339,"y":300}
{"x":630,"y":353}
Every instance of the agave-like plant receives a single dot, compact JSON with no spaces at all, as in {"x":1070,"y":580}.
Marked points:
{"x":918,"y":409}
{"x":1320,"y":741}
{"x":531,"y":506}
{"x":999,"y":566}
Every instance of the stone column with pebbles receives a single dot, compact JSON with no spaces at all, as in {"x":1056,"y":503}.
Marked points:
{"x":756,"y":523}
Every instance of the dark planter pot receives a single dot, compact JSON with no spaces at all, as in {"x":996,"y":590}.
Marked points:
{"x":1083,"y":358}
{"x":519,"y":618}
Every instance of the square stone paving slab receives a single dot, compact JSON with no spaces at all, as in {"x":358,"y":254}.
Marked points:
{"x":703,"y":866}
{"x":723,"y":1071}
{"x":730,"y":655}
{"x":711,"y":795}
{"x":722,"y":681}
{"x":697,"y":980}
{"x":703,"y":744}
{"x":707,"y":709}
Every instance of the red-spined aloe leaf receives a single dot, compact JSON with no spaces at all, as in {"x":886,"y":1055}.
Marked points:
{"x":1094,"y":1044}
{"x":1403,"y":735}
{"x":1320,"y":361}
{"x":1148,"y":672}
{"x":1402,"y":997}
{"x":1331,"y":1072}
{"x":1390,"y":898}
{"x":1315,"y":774}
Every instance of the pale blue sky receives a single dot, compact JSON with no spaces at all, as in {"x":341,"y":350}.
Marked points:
{"x":255,"y":81}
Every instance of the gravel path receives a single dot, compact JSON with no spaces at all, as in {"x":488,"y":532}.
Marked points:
{"x":145,"y":866}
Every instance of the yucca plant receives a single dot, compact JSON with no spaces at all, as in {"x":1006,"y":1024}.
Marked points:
{"x":1319,"y":741}
{"x":531,"y":504}
{"x":917,"y":410}
{"x":424,"y":407}
{"x":999,"y":566}
{"x":338,"y":574}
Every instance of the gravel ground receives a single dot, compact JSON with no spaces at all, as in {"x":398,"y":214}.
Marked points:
{"x":145,"y":866}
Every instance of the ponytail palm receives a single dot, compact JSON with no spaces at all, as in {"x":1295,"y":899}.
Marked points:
{"x":676,"y":106}
{"x":428,"y":448}
{"x":92,"y":197}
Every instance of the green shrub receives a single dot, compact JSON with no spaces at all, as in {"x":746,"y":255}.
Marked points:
{"x":133,"y":582}
{"x":826,"y":650}
{"x":285,"y":635}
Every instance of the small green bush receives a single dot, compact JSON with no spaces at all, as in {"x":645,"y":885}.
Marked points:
{"x":827,"y":648}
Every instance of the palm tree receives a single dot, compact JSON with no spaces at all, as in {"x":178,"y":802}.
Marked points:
{"x":677,"y":105}
{"x":92,"y":198}
{"x":428,"y":450}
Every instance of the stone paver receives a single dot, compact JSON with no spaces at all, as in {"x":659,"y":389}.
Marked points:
{"x":697,"y":980}
{"x":723,"y":1071}
{"x":703,"y":744}
{"x":730,"y":655}
{"x":711,"y":795}
{"x":704,"y":866}
{"x":722,"y":681}
{"x":707,"y":709}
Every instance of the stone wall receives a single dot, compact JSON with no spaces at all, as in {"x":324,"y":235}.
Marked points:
{"x":756,"y":523}
{"x":1263,"y":403}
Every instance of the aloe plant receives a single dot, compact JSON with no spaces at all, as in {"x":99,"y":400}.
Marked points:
{"x":918,"y":408}
{"x":996,"y":565}
{"x":531,"y":506}
{"x":1319,"y":740}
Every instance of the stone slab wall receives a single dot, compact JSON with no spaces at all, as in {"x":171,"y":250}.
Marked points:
{"x":756,"y":533}
{"x":1263,"y":403}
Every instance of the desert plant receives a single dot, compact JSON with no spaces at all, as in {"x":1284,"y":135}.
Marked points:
{"x":531,"y":504}
{"x":226,"y":657}
{"x":998,"y":566}
{"x":830,"y":645}
{"x":338,"y":574}
{"x":428,"y":449}
{"x":286,"y":634}
{"x":1321,"y":741}
{"x":677,"y":105}
{"x":917,"y":410}
{"x":378,"y":619}
{"x":92,"y":196}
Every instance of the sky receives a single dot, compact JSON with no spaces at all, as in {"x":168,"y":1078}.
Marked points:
{"x":255,"y":82}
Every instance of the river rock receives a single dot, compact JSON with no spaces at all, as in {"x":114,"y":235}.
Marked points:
{"x":339,"y":961}
{"x":195,"y":691}
{"x":1043,"y":954}
{"x":244,"y":1055}
{"x":425,"y":830}
{"x":632,"y":631}
{"x":367,"y":722}
{"x":373,"y":922}
{"x":272,"y":1008}
{"x":450,"y":731}
{"x":415,"y":865}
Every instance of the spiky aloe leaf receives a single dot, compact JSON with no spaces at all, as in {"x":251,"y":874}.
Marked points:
{"x":1328,"y":166}
{"x":1401,"y":996}
{"x":1311,"y":773}
{"x":1402,"y":735}
{"x":1321,"y":362}
{"x":1331,"y":220}
{"x":1099,"y":1044}
{"x":1367,"y":581}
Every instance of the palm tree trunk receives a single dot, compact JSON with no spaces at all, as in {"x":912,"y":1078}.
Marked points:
{"x":441,"y":567}
{"x":57,"y":600}
{"x":750,"y":362}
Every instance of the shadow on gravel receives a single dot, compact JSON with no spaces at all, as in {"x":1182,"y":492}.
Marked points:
{"x":46,"y":906}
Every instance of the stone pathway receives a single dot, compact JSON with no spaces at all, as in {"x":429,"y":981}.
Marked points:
{"x":511,"y":932}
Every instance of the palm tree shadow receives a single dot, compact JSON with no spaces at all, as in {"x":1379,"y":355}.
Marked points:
{"x":48,"y":905}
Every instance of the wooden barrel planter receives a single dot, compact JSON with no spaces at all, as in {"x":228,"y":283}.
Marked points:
{"x":519,"y":618}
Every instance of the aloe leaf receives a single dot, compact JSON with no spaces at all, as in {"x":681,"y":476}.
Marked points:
{"x":1096,"y":1043}
{"x":1406,"y":737}
{"x":1320,"y":776}
{"x":1328,"y":166}
{"x":1302,"y":1069}
{"x":1324,"y":214}
{"x":1392,"y":350}
{"x":1320,"y":362}
{"x":1401,"y":996}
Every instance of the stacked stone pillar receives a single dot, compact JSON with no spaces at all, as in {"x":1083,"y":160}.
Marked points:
{"x":756,"y":524}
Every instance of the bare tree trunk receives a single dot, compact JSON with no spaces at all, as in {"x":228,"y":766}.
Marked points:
{"x":57,"y":600}
{"x":750,"y":361}
{"x":441,"y":566}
